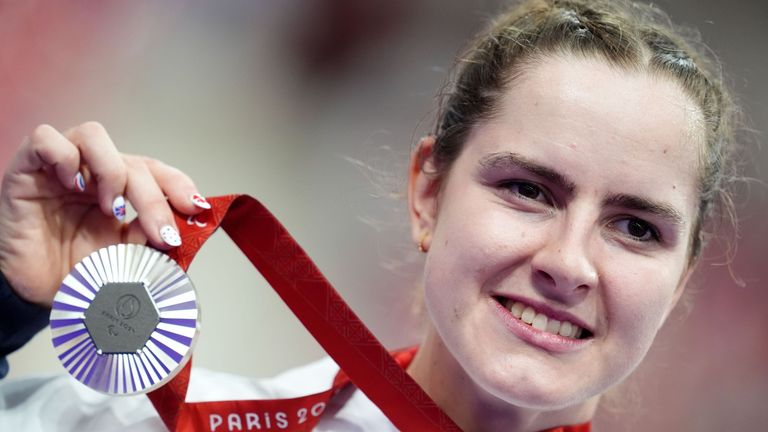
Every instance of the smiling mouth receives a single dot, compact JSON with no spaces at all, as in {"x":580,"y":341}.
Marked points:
{"x":538,"y":320}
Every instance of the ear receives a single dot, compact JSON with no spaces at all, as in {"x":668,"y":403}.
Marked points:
{"x":423,"y":189}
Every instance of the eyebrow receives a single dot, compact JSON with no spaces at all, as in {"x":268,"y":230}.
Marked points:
{"x":510,"y":160}
{"x":632,"y":202}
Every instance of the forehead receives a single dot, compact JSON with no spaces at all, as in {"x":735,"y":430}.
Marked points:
{"x":636,"y":104}
{"x":616,"y":130}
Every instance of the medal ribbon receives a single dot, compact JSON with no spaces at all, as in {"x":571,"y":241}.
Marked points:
{"x":294,"y":276}
{"x":296,"y":279}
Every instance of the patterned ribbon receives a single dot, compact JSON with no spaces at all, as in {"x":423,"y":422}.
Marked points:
{"x":294,"y":276}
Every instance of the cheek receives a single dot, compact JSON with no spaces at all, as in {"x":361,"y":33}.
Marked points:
{"x":473,"y":248}
{"x":636,"y":303}
{"x":478,"y":230}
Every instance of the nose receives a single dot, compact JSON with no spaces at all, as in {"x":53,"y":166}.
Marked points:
{"x":563,"y":268}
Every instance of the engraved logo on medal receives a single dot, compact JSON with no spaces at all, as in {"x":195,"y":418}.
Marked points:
{"x":127,"y":306}
{"x":121,"y":318}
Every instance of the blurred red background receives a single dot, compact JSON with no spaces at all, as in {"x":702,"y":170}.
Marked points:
{"x":294,"y":90}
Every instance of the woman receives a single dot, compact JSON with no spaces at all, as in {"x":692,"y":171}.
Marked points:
{"x":560,"y":204}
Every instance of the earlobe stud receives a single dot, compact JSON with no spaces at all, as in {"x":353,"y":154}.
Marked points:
{"x":420,"y":246}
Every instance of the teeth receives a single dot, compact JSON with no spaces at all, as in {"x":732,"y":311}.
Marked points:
{"x":528,"y":315}
{"x":565,"y":329}
{"x":517,"y":310}
{"x":553,"y":326}
{"x":542,"y":322}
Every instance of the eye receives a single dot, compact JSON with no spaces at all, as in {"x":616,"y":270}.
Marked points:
{"x":637,"y":229}
{"x":526,"y":190}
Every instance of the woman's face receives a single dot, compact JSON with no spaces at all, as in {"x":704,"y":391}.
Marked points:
{"x":574,"y":204}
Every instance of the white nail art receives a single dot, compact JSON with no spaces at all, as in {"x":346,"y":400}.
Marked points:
{"x":79,"y":182}
{"x":200,"y":201}
{"x":118,"y":208}
{"x":170,"y":235}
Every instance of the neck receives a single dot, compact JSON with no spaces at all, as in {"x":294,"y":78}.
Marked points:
{"x":474,"y":409}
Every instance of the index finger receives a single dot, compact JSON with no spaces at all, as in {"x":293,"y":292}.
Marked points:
{"x":47,"y":148}
{"x":104,"y":162}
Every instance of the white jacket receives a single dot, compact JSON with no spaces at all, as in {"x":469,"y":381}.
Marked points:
{"x":60,"y":403}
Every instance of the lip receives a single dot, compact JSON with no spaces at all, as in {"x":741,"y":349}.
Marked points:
{"x":537,"y":338}
{"x":549,"y":311}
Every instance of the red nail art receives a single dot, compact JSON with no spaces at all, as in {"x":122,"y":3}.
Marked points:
{"x":200,"y":201}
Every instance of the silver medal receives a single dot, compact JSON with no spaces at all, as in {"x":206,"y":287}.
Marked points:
{"x":125,"y":320}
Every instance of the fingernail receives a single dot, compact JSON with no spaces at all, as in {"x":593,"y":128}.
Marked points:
{"x":118,"y":208}
{"x":80,"y":182}
{"x":200,"y":201}
{"x":170,"y":235}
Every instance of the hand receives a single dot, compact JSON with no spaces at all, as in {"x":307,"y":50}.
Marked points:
{"x":48,"y":223}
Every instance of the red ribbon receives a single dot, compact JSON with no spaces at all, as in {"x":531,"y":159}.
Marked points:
{"x":294,"y":276}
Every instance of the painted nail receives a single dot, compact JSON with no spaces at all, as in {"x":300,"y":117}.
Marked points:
{"x":118,"y":208}
{"x":200,"y":201}
{"x":79,"y":182}
{"x":170,"y":235}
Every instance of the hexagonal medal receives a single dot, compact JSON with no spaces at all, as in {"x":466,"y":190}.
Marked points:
{"x":125,"y":319}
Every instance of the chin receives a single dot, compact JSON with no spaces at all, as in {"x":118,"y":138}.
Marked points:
{"x":536,"y":390}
